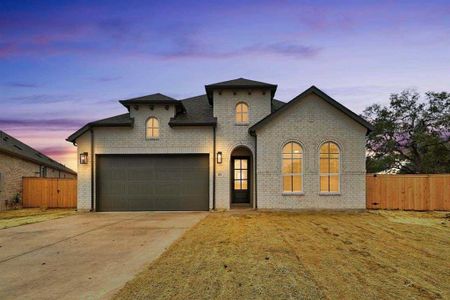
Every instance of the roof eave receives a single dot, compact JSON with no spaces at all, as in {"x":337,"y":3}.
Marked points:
{"x":211,"y":87}
{"x":72,"y":138}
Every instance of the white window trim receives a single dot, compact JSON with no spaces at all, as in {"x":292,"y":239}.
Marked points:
{"x":146,"y":129}
{"x":338,"y":192}
{"x":302,"y":191}
{"x":236,"y":113}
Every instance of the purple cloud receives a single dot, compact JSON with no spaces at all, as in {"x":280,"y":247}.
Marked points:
{"x":22,"y":85}
{"x":42,"y":123}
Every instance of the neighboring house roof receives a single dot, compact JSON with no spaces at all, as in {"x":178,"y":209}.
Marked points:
{"x":318,"y":92}
{"x":277,"y":104}
{"x":239,"y":83}
{"x":14,"y":147}
{"x":157,"y":98}
{"x":122,"y":120}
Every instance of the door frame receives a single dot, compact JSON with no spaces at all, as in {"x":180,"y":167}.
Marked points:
{"x":249,"y":179}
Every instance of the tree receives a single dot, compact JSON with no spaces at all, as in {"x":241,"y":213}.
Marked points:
{"x":410,"y":136}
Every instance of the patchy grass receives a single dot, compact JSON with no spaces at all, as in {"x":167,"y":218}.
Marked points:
{"x":17,"y":217}
{"x":310,"y":255}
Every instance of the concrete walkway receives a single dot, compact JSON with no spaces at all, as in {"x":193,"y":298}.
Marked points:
{"x":86,"y":256}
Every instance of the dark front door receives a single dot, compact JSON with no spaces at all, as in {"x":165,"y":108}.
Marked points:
{"x":240,"y":184}
{"x":152,"y":182}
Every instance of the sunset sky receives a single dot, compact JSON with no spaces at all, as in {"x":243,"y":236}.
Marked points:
{"x":66,"y":63}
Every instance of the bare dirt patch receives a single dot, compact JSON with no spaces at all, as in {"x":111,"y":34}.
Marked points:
{"x":310,"y":255}
{"x":17,"y":217}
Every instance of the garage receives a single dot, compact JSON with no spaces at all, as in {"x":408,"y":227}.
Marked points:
{"x":152,"y":182}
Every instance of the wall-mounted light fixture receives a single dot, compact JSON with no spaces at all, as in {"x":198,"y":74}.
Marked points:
{"x":83,"y":158}
{"x":219,"y":157}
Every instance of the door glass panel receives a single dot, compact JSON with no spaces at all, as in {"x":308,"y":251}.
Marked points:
{"x":244,"y":174}
{"x":237,"y":174}
{"x":237,"y":164}
{"x":237,"y":185}
{"x":244,"y":164}
{"x":244,"y":184}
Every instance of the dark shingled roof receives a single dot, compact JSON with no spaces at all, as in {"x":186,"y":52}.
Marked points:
{"x":198,"y":112}
{"x":123,"y":120}
{"x":153,"y":99}
{"x":318,"y":92}
{"x":14,"y":147}
{"x":239,"y":83}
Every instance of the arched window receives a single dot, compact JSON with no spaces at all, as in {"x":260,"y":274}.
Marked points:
{"x":242,"y":113}
{"x":152,"y":128}
{"x":292,"y":168}
{"x":329,"y":168}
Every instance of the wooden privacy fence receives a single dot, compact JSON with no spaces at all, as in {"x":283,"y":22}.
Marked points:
{"x":408,"y":192}
{"x":49,"y":192}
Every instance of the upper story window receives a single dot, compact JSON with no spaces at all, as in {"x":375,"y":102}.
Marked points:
{"x":292,"y":168}
{"x":329,"y":168}
{"x":152,"y":128}
{"x":242,"y":113}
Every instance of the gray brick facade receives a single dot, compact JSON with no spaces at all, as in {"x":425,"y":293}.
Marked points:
{"x":309,"y":122}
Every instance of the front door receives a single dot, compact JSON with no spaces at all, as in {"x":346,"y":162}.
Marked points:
{"x":240,"y":185}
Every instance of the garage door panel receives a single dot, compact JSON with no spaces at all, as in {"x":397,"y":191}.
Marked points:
{"x":152,"y":182}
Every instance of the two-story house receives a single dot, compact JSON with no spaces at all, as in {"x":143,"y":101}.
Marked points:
{"x":235,"y":146}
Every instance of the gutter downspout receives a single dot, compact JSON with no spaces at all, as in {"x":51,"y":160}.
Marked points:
{"x":214,"y":168}
{"x":92,"y":170}
{"x":256,"y":172}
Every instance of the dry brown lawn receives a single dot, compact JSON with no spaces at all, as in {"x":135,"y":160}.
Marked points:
{"x":17,"y":217}
{"x":312,"y":255}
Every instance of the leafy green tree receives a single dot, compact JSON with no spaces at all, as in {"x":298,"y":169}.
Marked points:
{"x":410,"y":135}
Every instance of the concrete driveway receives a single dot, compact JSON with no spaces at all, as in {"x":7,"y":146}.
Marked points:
{"x":89,"y":255}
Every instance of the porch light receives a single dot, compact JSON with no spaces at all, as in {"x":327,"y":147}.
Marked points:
{"x":219,"y":157}
{"x":83,"y":158}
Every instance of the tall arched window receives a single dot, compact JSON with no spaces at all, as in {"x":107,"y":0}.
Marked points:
{"x":242,"y":113}
{"x":329,"y":168}
{"x":292,"y":168}
{"x":152,"y":128}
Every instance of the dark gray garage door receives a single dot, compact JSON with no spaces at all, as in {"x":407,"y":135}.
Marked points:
{"x":152,"y":182}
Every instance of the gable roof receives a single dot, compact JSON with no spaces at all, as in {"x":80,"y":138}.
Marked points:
{"x":318,"y":92}
{"x":14,"y":147}
{"x":239,"y":83}
{"x":157,"y":98}
{"x":122,"y":120}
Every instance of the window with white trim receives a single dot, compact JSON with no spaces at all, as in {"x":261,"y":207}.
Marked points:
{"x":292,"y":168}
{"x":329,"y":168}
{"x":242,"y":113}
{"x":152,"y":128}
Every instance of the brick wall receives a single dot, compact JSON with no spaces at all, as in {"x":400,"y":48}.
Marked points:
{"x":229,"y":135}
{"x":311,"y":122}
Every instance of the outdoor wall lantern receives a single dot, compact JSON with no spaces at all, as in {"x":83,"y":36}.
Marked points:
{"x":219,"y":157}
{"x":83,"y":158}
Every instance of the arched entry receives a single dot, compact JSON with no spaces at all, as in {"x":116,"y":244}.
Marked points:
{"x":241,"y":176}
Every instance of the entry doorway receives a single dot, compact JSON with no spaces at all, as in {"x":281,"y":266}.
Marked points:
{"x":241,"y":176}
